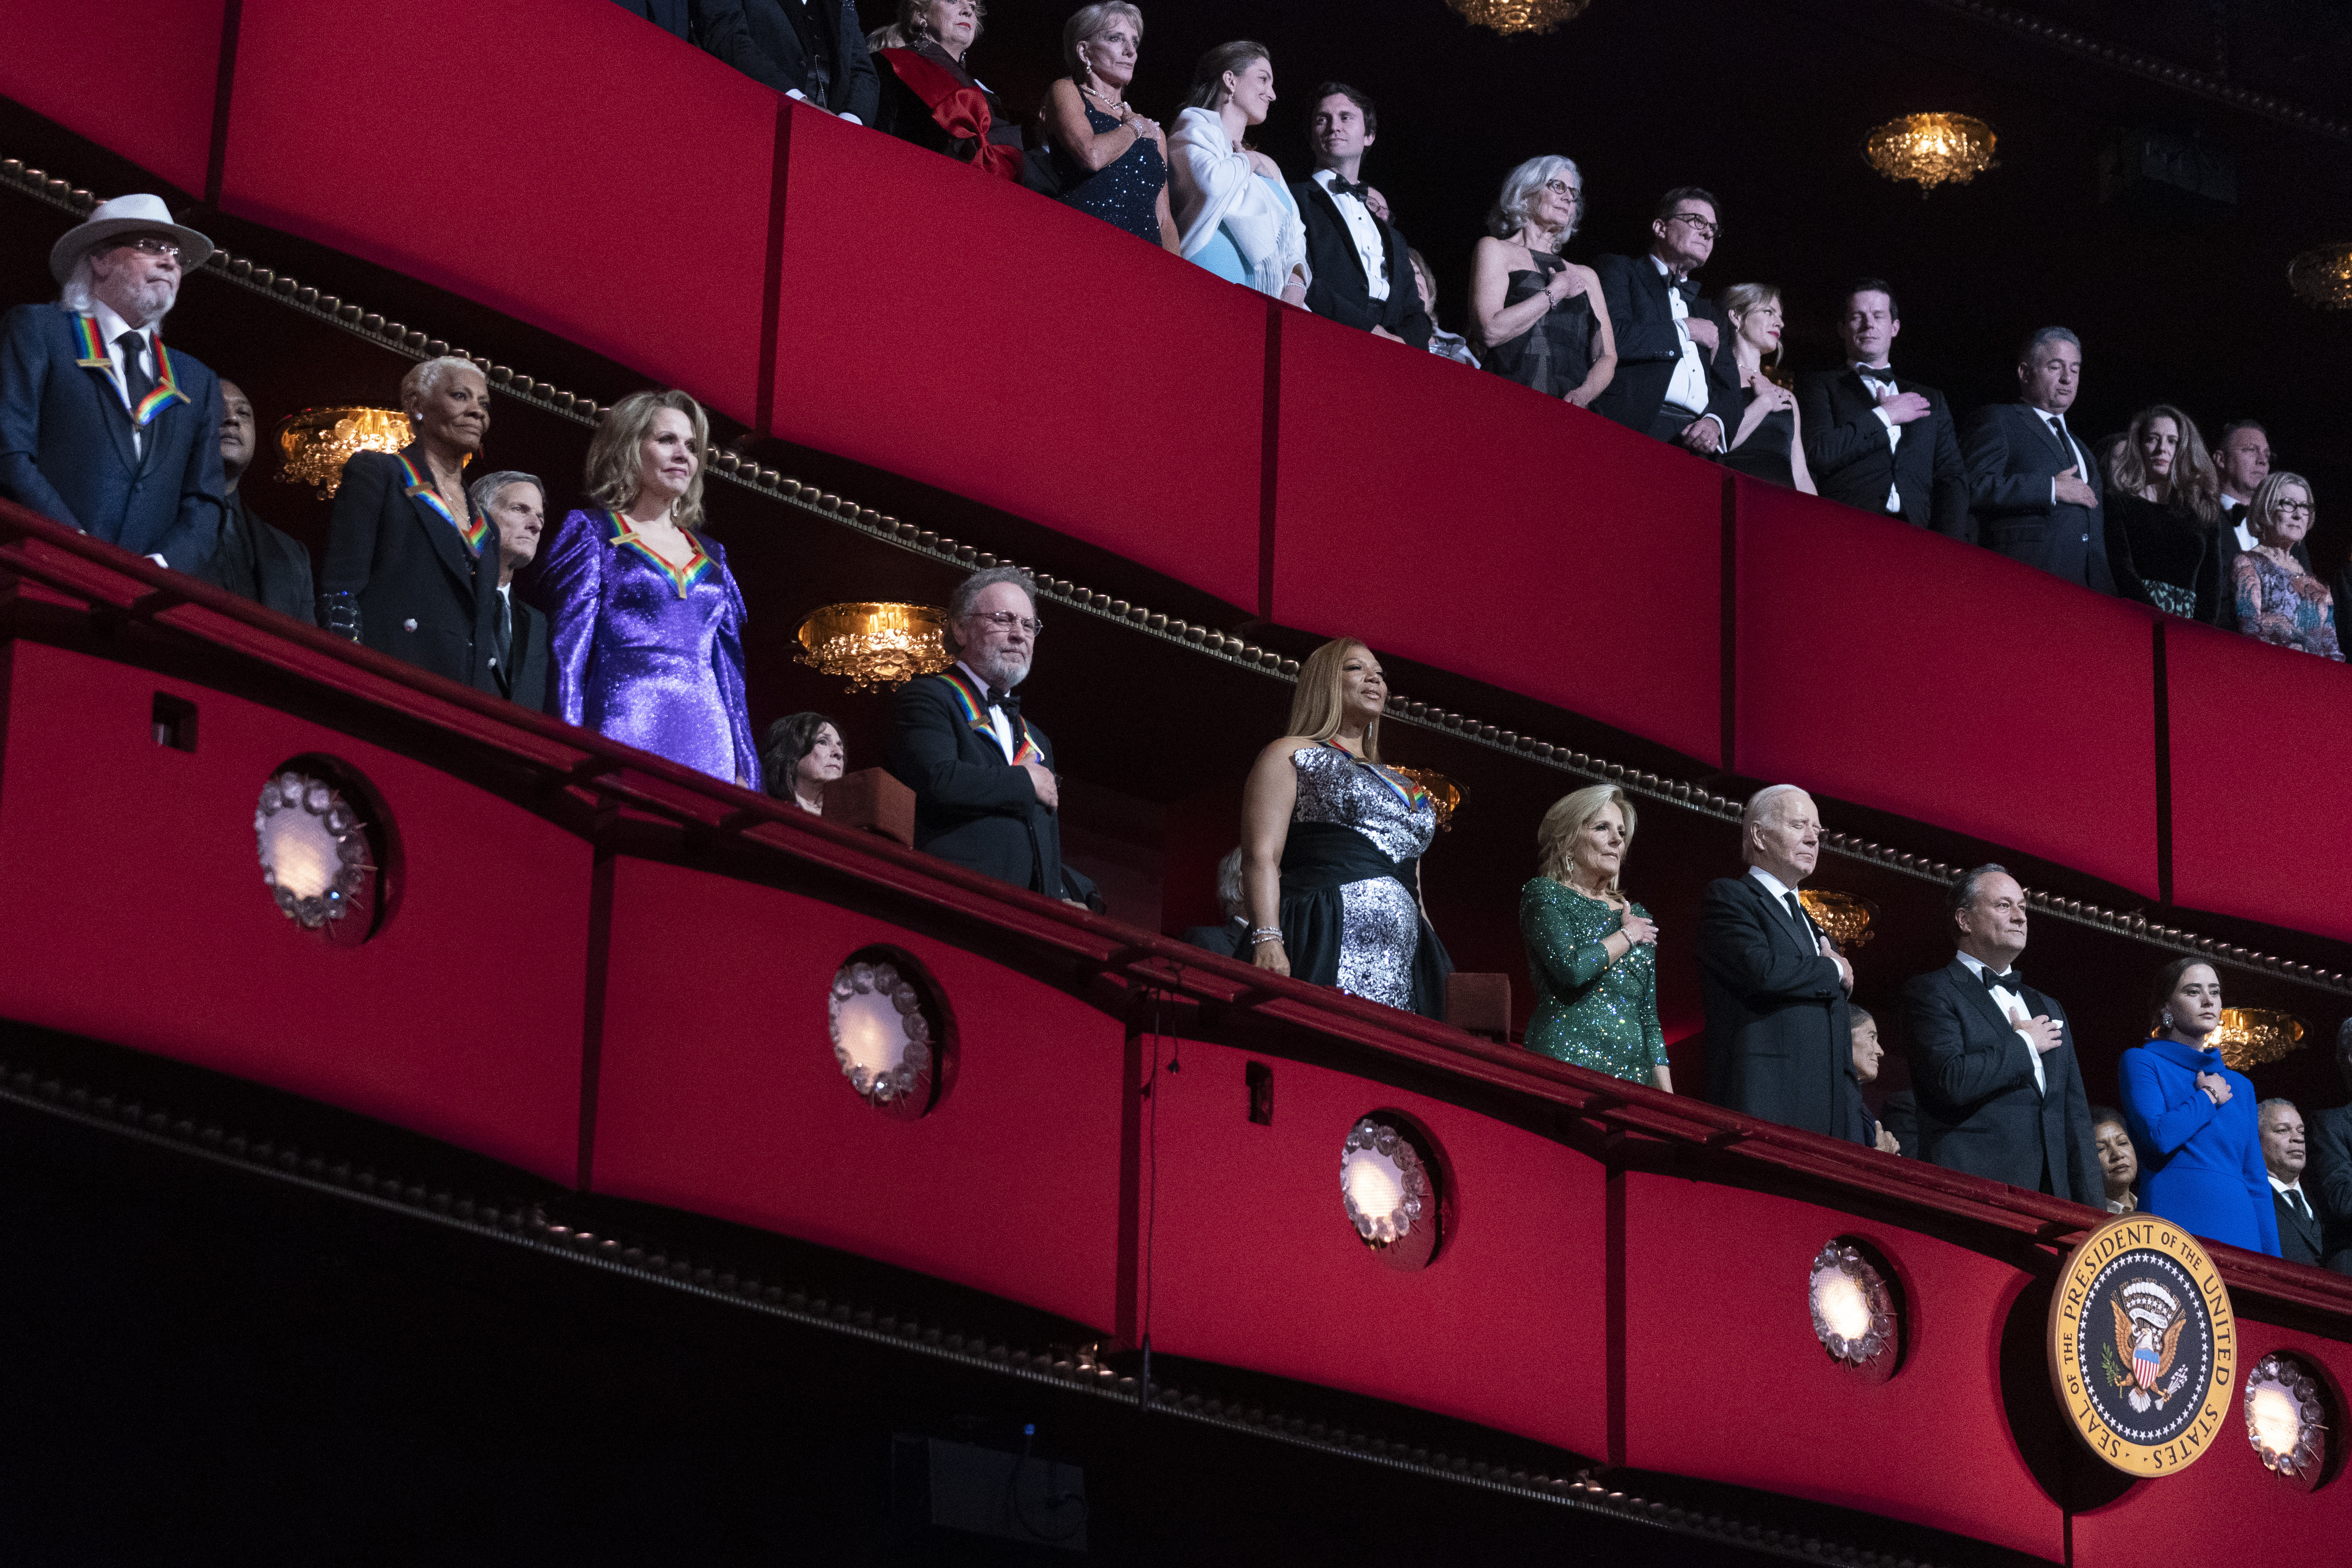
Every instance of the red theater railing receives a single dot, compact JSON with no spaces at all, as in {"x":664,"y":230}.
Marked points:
{"x":637,"y":198}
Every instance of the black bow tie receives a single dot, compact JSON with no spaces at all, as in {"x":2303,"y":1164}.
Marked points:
{"x":1881,"y":373}
{"x":1685,"y":287}
{"x":1006,"y":700}
{"x":1340,"y":187}
{"x":2012,"y":981}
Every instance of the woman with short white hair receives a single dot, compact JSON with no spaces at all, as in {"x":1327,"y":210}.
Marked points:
{"x":1540,"y":317}
{"x":1591,"y":950}
{"x":2275,"y":601}
{"x":1235,"y":216}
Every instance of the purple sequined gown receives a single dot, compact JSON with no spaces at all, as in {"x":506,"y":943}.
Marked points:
{"x":645,"y":653}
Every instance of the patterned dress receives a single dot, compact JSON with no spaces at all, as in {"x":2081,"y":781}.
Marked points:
{"x":2294,"y":610}
{"x":1380,"y":924}
{"x":1589,"y":1011}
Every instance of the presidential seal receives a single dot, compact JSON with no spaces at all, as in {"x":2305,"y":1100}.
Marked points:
{"x":2143,"y":1345}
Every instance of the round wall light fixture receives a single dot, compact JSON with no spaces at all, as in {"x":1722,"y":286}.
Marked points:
{"x":890,"y":1033}
{"x":1854,"y":1309}
{"x":2287,"y":1417}
{"x":1389,"y":1190}
{"x":319,"y":850}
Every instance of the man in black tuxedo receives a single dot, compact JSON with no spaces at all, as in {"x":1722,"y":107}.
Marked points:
{"x":1778,"y":1043}
{"x":253,"y":561}
{"x":2035,"y":492}
{"x":515,"y":505}
{"x":2330,"y":1137}
{"x":2000,"y":1092}
{"x":1362,"y":273}
{"x":2243,"y":457}
{"x":1677,"y":379}
{"x":813,"y":50}
{"x":1230,"y":939}
{"x":672,"y":16}
{"x":2280,"y":1125}
{"x":985,"y":794}
{"x":1878,"y":441}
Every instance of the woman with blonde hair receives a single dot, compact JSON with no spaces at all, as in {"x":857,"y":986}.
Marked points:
{"x":2276,"y":601}
{"x":1592,"y":951}
{"x":1108,"y":160}
{"x":1331,"y":845}
{"x":928,"y":95}
{"x":645,"y":624}
{"x":2164,"y":515}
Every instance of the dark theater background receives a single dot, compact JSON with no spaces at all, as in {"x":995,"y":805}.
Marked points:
{"x":542,"y":1225}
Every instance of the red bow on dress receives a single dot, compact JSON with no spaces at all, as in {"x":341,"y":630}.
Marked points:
{"x":962,"y":111}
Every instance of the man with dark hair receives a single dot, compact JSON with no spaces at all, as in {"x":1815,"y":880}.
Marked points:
{"x":1359,"y":263}
{"x":254,"y":561}
{"x":2000,"y":1091}
{"x":1678,"y":378}
{"x":2330,"y":1167}
{"x":1876,"y":441}
{"x":2036,"y":494}
{"x":2280,"y":1126}
{"x":813,"y":50}
{"x":2242,"y":454}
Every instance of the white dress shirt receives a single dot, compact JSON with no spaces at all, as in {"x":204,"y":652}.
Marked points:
{"x":2296,"y":1186}
{"x":2056,"y":424}
{"x":2006,"y":1001}
{"x":1000,"y":723}
{"x":1880,"y":379}
{"x":2246,"y":539}
{"x":1781,"y":892}
{"x":1688,"y":390}
{"x":112,"y":327}
{"x":1371,"y":251}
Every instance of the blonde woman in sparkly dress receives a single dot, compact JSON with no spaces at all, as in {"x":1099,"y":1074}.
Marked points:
{"x":1592,"y":951}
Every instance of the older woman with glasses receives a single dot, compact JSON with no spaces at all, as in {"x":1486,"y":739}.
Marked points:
{"x":1538,"y":316}
{"x":2276,"y":601}
{"x":931,"y":98}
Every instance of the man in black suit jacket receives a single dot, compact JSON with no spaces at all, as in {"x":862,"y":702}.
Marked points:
{"x":254,"y":561}
{"x":1360,"y":265}
{"x":2330,"y":1168}
{"x":516,"y":504}
{"x":2280,"y":1125}
{"x":102,"y":428}
{"x":813,"y":50}
{"x":2032,"y":487}
{"x":985,"y":794}
{"x":2000,"y":1092}
{"x":1778,"y":1043}
{"x":1878,"y":441}
{"x":1677,"y":379}
{"x":672,"y":17}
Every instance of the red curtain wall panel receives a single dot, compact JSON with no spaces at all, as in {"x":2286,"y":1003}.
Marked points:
{"x":1884,"y":666}
{"x":1450,"y":517}
{"x":137,"y":77}
{"x":564,"y":162}
{"x":965,"y":332}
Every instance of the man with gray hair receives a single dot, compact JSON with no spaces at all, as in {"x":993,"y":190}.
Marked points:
{"x":1779,"y":1043}
{"x":985,"y":794}
{"x":2000,"y":1090}
{"x":2280,"y":1126}
{"x":2330,"y":1167}
{"x":102,"y":427}
{"x":2035,"y":492}
{"x":515,"y":505}
{"x":1230,"y":939}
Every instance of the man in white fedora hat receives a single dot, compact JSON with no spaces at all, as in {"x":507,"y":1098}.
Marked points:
{"x":101,"y":426}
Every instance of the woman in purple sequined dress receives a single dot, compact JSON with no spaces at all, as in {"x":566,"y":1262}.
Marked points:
{"x":646,"y":622}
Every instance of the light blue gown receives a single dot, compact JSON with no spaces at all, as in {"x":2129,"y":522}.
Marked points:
{"x":1219,"y":256}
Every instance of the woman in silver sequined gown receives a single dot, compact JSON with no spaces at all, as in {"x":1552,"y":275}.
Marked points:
{"x":1332,"y":842}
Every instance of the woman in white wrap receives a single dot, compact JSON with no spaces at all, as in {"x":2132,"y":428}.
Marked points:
{"x":1236,"y":216}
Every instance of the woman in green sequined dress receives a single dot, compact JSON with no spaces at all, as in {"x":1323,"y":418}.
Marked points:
{"x":1592,"y":951}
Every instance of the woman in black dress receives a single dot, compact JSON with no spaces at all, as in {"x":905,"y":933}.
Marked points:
{"x":1770,"y":443}
{"x":928,"y":97}
{"x":1107,"y":160}
{"x":1540,"y":318}
{"x":2163,"y":517}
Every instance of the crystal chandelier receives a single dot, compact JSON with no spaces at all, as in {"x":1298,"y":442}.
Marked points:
{"x":317,"y":442}
{"x":874,"y":646}
{"x":1518,"y":16}
{"x":2322,"y":279}
{"x":1931,"y":149}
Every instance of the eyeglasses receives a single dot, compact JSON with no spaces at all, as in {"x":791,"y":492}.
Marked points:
{"x":152,"y":245}
{"x":1562,"y":188}
{"x":1699,"y":225}
{"x":1005,"y":620}
{"x":2303,"y":507}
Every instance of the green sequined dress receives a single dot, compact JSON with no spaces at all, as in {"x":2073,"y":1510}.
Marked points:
{"x":1589,"y":1011}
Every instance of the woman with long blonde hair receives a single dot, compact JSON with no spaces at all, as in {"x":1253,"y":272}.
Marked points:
{"x":644,"y":621}
{"x":1591,"y":950}
{"x":1331,"y":845}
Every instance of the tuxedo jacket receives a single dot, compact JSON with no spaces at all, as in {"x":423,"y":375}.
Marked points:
{"x":2327,"y":1182}
{"x":675,"y":17}
{"x":1340,"y":289}
{"x":524,"y":679}
{"x":67,"y":449}
{"x":1641,"y":321}
{"x":256,"y":561}
{"x":1979,"y":1110}
{"x":972,"y":807}
{"x":1780,"y":1045}
{"x":422,"y":594}
{"x":2300,"y":1239}
{"x":1845,"y":447}
{"x":762,"y":38}
{"x":2012,"y":456}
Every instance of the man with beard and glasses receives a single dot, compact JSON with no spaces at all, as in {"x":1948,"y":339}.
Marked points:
{"x":254,"y":561}
{"x":985,"y":794}
{"x":102,"y":427}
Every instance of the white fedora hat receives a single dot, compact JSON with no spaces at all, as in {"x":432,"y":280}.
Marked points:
{"x":126,"y":214}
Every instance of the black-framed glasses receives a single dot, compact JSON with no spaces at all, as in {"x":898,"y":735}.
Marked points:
{"x":1562,"y":188}
{"x":1005,"y":620}
{"x":154,"y":244}
{"x":2303,"y":507}
{"x":1699,"y":225}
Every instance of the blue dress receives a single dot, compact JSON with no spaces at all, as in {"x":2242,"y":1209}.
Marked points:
{"x":1221,"y":256}
{"x":1124,"y":193}
{"x":647,"y":653}
{"x":2201,"y":1166}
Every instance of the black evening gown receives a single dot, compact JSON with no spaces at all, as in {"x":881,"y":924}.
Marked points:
{"x":2166,"y":558}
{"x":905,"y":115}
{"x":1555,"y":355}
{"x":1765,"y":454}
{"x":1124,"y":193}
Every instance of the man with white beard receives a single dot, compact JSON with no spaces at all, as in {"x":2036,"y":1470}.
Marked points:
{"x":102,"y":427}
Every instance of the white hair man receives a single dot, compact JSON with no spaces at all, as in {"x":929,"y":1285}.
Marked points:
{"x":1780,"y":1044}
{"x":102,"y":427}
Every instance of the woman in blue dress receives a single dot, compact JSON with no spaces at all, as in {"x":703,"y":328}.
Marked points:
{"x":1107,"y":160}
{"x":1236,"y":216}
{"x":2191,"y":1118}
{"x":645,"y":623}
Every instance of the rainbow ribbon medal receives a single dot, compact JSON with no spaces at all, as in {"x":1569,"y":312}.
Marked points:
{"x":681,"y":577}
{"x":473,"y":531}
{"x":97,"y":355}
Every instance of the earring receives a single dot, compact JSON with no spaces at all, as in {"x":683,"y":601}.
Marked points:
{"x":2167,"y":1017}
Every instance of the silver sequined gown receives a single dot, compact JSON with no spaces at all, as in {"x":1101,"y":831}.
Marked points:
{"x":1382,"y":923}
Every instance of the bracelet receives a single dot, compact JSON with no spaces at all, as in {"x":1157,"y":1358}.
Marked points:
{"x":1262,"y":934}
